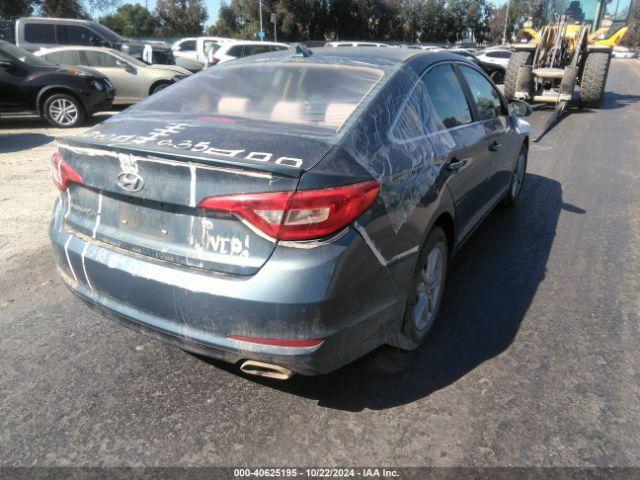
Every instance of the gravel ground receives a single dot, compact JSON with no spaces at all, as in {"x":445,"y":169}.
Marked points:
{"x":535,"y":360}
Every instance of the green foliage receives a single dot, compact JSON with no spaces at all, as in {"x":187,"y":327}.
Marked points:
{"x":62,"y":9}
{"x":180,"y":17}
{"x":401,"y":20}
{"x":632,"y":38}
{"x":16,"y":8}
{"x":131,"y":21}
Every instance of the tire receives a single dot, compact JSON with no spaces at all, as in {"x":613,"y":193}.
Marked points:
{"x":594,"y":78}
{"x":518,"y":59}
{"x":63,"y":110}
{"x":517,"y":179}
{"x":416,"y":327}
{"x":497,"y":77}
{"x":158,"y":87}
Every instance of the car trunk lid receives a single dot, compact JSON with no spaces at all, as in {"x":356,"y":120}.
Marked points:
{"x":144,"y":197}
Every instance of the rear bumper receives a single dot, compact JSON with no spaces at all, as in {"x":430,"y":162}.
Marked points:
{"x":337,"y":292}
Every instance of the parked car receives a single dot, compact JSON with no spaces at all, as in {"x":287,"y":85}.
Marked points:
{"x":64,"y":96}
{"x":425,"y":47}
{"x":623,"y":52}
{"x":238,"y":49}
{"x":495,"y":71}
{"x":197,"y":48}
{"x":496,"y":56}
{"x":355,"y":44}
{"x":288,"y":212}
{"x":133,"y":79}
{"x":34,"y":33}
{"x":194,"y":66}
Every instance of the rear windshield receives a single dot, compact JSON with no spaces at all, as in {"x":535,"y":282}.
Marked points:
{"x":320,"y":95}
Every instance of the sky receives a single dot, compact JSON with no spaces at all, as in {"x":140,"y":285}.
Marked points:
{"x":212,"y":7}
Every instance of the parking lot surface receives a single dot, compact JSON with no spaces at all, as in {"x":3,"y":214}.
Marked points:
{"x":535,"y":359}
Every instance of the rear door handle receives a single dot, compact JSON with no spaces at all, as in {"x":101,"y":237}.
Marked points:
{"x":455,"y":164}
{"x":495,"y":146}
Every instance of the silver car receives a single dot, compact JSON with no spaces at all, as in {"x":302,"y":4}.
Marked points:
{"x":133,"y":79}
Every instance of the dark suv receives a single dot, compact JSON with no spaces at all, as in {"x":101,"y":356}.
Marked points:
{"x":33,"y":33}
{"x":64,"y":96}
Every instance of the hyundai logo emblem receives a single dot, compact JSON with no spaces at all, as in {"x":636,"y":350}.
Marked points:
{"x":130,"y":181}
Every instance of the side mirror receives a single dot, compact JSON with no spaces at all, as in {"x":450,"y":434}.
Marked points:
{"x":518,"y":108}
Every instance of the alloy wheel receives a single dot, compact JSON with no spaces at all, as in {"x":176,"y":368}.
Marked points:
{"x":429,"y":289}
{"x":63,"y":111}
{"x":518,"y":176}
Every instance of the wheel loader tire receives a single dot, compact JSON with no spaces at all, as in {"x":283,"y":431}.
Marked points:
{"x":517,"y":60}
{"x":594,"y":78}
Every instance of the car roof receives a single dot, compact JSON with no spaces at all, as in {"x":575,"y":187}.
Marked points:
{"x":253,"y":42}
{"x":56,"y":20}
{"x":388,"y":59}
{"x":78,"y":47}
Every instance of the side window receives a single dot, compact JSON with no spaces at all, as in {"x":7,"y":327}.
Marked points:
{"x":235,"y":51}
{"x":255,"y":50}
{"x":484,"y":94}
{"x":188,"y":46}
{"x":39,"y":33}
{"x":70,"y":57}
{"x":76,"y":35}
{"x":447,"y":97}
{"x":101,"y":59}
{"x":436,"y":103}
{"x":277,"y":48}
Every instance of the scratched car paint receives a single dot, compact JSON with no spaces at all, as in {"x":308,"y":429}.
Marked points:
{"x":281,"y":208}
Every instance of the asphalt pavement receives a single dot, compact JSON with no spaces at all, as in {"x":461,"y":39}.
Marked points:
{"x":535,"y":359}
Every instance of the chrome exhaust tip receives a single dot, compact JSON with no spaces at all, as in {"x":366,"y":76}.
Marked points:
{"x":263,"y":369}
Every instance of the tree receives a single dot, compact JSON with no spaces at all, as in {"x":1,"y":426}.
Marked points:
{"x":62,"y":9}
{"x":16,"y":8}
{"x":131,"y":20}
{"x":519,"y":11}
{"x":180,"y":17}
{"x":632,"y":38}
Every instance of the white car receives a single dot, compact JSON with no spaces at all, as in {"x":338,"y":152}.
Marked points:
{"x":623,"y":52}
{"x":133,"y":79}
{"x":498,"y":56}
{"x":425,"y":47}
{"x":197,"y":48}
{"x":355,"y":44}
{"x":237,"y":49}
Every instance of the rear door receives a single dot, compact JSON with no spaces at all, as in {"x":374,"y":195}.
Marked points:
{"x":498,"y":147}
{"x":466,"y":162}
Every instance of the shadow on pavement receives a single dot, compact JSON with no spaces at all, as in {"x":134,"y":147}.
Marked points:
{"x":15,"y":142}
{"x":491,"y":285}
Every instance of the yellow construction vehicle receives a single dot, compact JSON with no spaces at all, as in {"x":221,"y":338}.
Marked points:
{"x":563,"y":54}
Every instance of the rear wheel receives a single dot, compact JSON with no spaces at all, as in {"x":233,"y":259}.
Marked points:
{"x":517,"y":60}
{"x":63,"y":110}
{"x":159,"y":86}
{"x":425,"y":292}
{"x":594,"y":78}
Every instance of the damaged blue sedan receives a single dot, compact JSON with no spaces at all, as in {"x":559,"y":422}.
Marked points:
{"x":288,"y":212}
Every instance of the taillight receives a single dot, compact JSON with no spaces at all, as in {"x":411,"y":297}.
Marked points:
{"x":301,"y":215}
{"x":63,"y":173}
